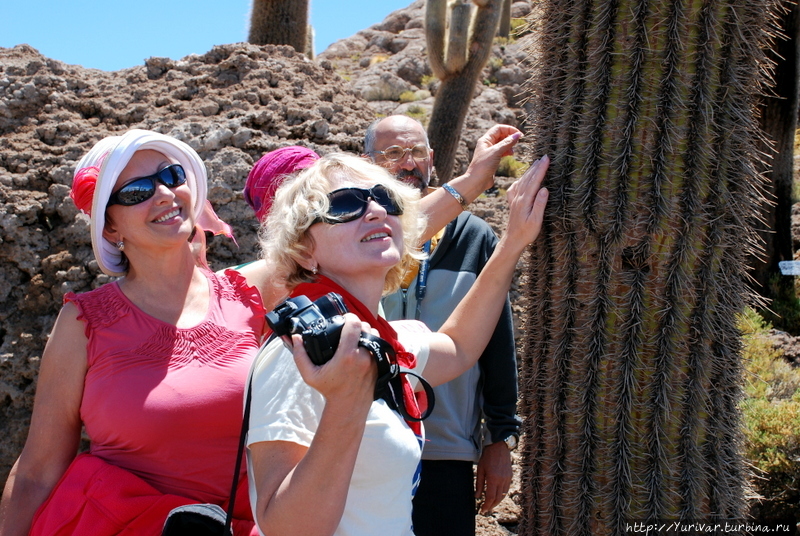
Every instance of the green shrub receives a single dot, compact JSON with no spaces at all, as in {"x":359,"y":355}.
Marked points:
{"x":773,"y":448}
{"x":783,"y":311}
{"x":519,"y":27}
{"x":408,"y":96}
{"x":418,"y":113}
{"x":771,"y":414}
{"x":495,"y":63}
{"x":378,"y":58}
{"x":510,"y":167}
{"x":427,"y":81}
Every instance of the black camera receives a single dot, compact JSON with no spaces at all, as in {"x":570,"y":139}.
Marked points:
{"x":319,"y":322}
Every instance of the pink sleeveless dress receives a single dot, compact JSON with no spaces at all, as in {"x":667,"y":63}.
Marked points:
{"x":166,"y":403}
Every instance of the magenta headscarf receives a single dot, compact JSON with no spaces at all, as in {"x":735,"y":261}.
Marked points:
{"x":269,"y":173}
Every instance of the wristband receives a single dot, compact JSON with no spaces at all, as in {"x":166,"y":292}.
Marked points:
{"x":511,"y":442}
{"x":452,"y":191}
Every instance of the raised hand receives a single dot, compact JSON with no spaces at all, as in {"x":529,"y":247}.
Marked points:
{"x":499,"y":141}
{"x":527,"y":200}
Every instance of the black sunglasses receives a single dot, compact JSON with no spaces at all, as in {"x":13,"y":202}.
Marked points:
{"x":348,"y":204}
{"x":141,"y":189}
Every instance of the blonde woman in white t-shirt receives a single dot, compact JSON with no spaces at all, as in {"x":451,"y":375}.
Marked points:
{"x":325,"y":457}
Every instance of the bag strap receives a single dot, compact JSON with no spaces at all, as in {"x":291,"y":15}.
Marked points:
{"x":242,"y":439}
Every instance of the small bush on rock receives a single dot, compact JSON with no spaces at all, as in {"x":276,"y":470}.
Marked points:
{"x":511,"y":167}
{"x":771,"y":412}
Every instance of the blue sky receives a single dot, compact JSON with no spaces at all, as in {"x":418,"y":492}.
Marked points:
{"x":115,"y":34}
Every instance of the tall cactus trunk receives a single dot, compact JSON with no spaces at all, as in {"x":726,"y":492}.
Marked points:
{"x":280,"y":22}
{"x":447,"y":120}
{"x":632,"y":370}
{"x":459,"y":37}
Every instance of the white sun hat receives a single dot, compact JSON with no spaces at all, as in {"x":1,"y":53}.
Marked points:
{"x":111,"y":155}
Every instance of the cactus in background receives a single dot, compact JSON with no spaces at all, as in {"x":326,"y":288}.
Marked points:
{"x":632,"y":371}
{"x":504,"y":27}
{"x":459,"y":36}
{"x":281,"y":22}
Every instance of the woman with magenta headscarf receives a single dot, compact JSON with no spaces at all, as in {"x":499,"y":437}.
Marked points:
{"x":153,"y":365}
{"x":270,"y":172}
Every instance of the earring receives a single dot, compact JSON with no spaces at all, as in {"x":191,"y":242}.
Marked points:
{"x":121,"y":245}
{"x":314,"y":270}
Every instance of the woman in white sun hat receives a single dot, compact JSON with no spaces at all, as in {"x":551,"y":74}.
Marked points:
{"x":152,"y":365}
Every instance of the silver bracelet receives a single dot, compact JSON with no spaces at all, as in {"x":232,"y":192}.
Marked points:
{"x":452,"y":191}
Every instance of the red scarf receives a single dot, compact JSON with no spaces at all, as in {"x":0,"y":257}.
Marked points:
{"x":323,"y":286}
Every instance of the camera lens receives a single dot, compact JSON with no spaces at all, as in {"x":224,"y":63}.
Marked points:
{"x":331,"y":305}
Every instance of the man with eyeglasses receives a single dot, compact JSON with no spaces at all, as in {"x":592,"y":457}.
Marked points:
{"x":479,"y":404}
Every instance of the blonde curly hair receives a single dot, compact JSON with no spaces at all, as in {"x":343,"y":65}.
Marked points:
{"x":284,"y":238}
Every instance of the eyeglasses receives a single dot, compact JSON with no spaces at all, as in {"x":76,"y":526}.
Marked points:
{"x":348,"y":204}
{"x":395,"y":152}
{"x":140,"y":190}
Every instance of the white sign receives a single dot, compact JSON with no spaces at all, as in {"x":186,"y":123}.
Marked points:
{"x":789,"y":267}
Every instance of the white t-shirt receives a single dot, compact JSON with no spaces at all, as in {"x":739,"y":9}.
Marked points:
{"x":386,"y":473}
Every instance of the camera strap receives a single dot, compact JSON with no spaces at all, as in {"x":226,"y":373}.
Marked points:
{"x":381,"y":351}
{"x":394,"y":396}
{"x":389,"y":384}
{"x":422,"y":279}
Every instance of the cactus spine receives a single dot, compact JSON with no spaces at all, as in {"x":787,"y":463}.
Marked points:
{"x":779,"y":121}
{"x":631,"y":373}
{"x":459,"y":36}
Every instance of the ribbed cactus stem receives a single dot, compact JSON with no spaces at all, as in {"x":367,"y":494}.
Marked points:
{"x":280,"y":22}
{"x":435,"y":34}
{"x":504,"y":26}
{"x":459,"y":36}
{"x":631,"y":373}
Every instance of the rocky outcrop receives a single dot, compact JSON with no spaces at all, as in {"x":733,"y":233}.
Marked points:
{"x":232,"y":105}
